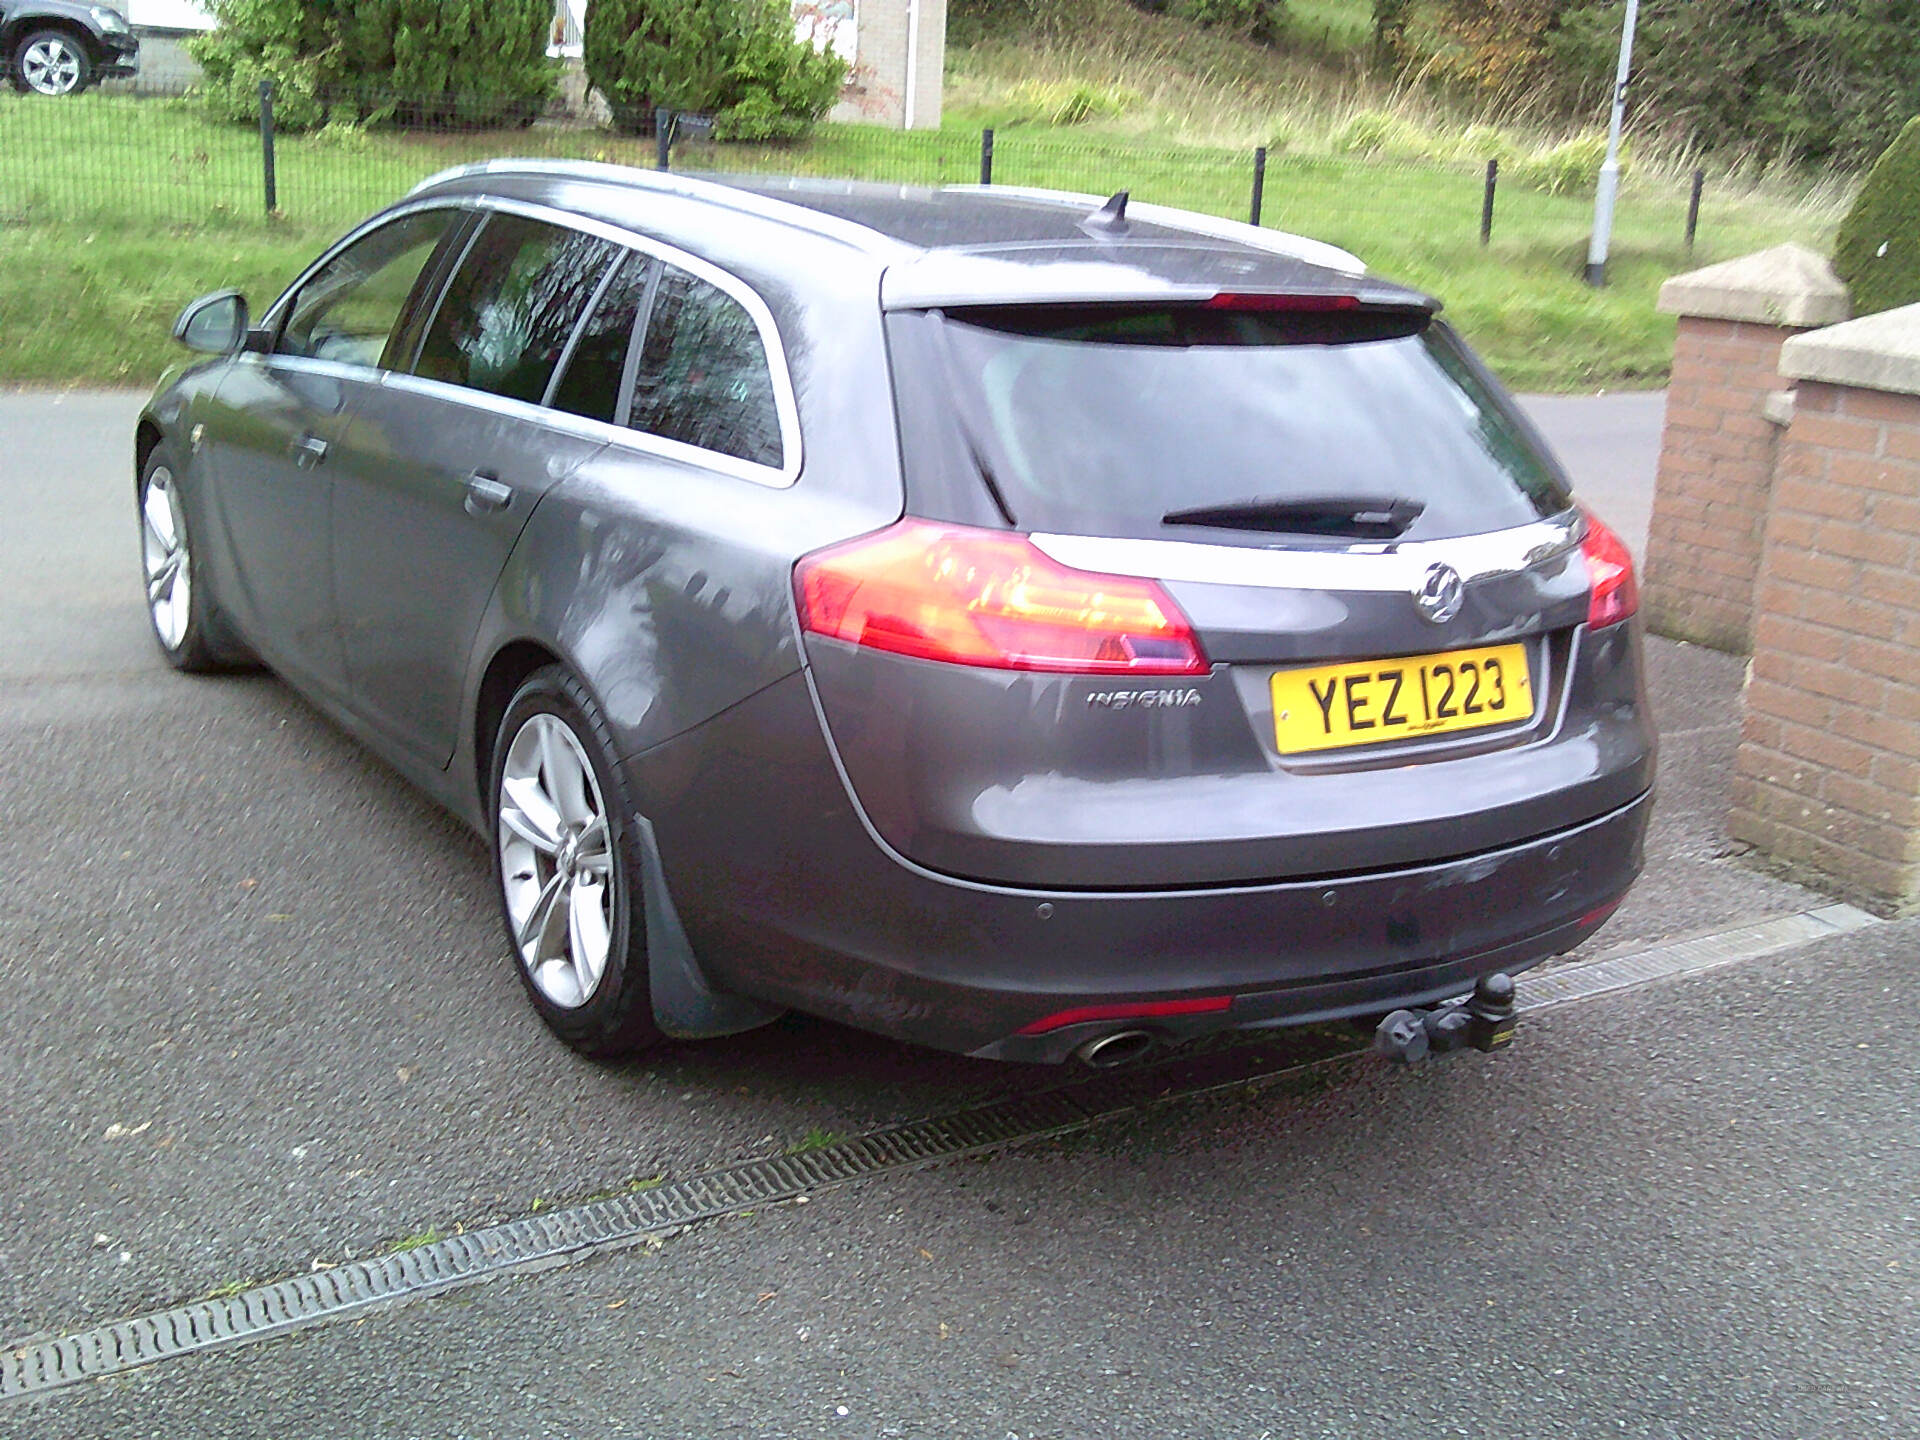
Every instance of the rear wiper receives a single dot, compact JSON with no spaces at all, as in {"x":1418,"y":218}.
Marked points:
{"x":1362,"y":517}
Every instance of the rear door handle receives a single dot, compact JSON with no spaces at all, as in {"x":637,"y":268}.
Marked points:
{"x":486,"y":495}
{"x":308,"y":451}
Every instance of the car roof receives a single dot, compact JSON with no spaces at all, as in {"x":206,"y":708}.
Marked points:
{"x":972,"y":244}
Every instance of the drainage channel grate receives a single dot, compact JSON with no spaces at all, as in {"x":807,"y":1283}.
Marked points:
{"x":538,"y":1242}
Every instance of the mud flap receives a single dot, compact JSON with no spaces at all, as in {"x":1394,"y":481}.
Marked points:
{"x":685,"y":1005}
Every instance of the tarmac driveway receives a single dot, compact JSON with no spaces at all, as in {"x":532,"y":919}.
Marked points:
{"x":255,"y":1016}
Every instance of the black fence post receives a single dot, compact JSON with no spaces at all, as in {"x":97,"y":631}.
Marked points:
{"x":1693,"y":206}
{"x":663,"y":137}
{"x":1486,"y":202}
{"x":986,"y":157}
{"x":266,"y":147}
{"x":1259,"y":183}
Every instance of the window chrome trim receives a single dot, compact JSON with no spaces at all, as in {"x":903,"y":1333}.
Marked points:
{"x":1372,"y":567}
{"x":786,"y":406}
{"x":657,"y":447}
{"x":275,"y":314}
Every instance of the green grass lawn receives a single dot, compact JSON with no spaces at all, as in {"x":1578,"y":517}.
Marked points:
{"x":115,"y":211}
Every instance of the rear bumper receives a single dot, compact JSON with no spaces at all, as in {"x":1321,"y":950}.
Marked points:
{"x":788,"y":897}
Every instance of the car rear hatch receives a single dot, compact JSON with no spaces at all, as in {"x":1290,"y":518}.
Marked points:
{"x":1202,"y":592}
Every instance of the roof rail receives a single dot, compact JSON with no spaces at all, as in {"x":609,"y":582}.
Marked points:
{"x":631,"y":177}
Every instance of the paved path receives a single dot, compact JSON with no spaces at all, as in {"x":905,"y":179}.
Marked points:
{"x":253,"y":1014}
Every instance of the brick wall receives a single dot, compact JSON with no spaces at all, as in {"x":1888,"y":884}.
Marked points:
{"x":1716,"y":469}
{"x":1828,"y":775}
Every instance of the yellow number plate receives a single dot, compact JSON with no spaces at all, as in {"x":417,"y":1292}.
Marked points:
{"x":1375,"y":701}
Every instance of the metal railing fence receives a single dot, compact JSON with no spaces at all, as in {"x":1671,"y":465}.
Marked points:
{"x":159,"y":160}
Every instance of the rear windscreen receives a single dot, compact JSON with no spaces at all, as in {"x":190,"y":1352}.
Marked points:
{"x":1248,"y":425}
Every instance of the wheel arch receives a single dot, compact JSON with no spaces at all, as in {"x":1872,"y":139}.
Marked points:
{"x":147,"y":436}
{"x":37,"y":24}
{"x":506,"y":672}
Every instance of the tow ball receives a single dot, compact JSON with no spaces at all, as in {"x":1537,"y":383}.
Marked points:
{"x":1485,"y":1020}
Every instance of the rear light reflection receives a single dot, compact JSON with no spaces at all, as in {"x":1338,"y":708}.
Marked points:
{"x":1614,"y":595}
{"x":1129,"y":1010}
{"x":990,"y":598}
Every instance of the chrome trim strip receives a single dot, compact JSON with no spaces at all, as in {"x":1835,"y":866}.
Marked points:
{"x":786,"y":406}
{"x":371,"y":223}
{"x":1277,"y":242}
{"x":656,"y":446}
{"x":1382,"y":567}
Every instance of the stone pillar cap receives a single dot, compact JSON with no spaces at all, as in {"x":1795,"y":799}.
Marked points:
{"x":1875,"y":352}
{"x":1787,"y":285}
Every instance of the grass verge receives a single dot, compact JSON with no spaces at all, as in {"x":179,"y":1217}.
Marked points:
{"x":115,"y":211}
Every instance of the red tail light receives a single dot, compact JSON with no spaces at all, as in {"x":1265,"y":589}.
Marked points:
{"x":1610,"y":571}
{"x":1233,"y":300}
{"x":984,"y":597}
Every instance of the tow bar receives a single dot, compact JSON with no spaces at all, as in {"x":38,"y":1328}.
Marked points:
{"x":1485,"y":1020}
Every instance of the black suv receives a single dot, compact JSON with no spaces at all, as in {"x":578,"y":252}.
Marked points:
{"x":59,"y":47}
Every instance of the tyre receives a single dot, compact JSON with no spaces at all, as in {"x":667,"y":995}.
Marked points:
{"x":52,"y":62}
{"x":187,"y":624}
{"x":567,"y":868}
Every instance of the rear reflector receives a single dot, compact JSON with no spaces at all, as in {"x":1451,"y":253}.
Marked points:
{"x":1296,"y":303}
{"x":1136,"y":1010}
{"x":1614,"y":595}
{"x":990,"y":598}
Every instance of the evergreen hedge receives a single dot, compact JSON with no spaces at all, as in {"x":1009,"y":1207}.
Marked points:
{"x":736,"y":60}
{"x":1877,"y":251}
{"x":415,"y":62}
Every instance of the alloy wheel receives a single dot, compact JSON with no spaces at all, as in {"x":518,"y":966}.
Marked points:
{"x":51,"y":66}
{"x":164,"y":548}
{"x":556,"y":860}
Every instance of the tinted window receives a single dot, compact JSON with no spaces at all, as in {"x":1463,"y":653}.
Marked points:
{"x":1103,"y":422}
{"x":590,"y":385}
{"x":504,"y":322}
{"x":703,"y":374}
{"x":353,"y":303}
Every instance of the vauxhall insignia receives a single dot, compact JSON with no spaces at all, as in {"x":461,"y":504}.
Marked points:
{"x":1440,"y":594}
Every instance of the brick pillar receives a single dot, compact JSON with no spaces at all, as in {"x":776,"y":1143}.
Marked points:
{"x":1827,"y":782}
{"x":1717,"y":452}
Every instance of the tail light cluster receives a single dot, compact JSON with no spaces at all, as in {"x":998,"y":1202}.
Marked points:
{"x":993,"y":599}
{"x":1614,"y":595}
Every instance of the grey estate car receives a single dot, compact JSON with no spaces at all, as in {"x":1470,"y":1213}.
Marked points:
{"x":1023,"y":625}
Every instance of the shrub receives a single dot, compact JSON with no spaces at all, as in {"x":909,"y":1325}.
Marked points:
{"x":736,"y":60}
{"x":1877,"y":251}
{"x":1377,"y":132}
{"x":427,"y":62}
{"x":1061,"y":102}
{"x":1568,"y":168}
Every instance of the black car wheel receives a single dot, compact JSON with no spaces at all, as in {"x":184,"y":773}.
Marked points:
{"x":568,"y":871}
{"x":186,"y":621}
{"x":52,"y":62}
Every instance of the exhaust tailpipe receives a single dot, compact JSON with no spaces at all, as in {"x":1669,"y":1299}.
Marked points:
{"x":1122,"y":1047}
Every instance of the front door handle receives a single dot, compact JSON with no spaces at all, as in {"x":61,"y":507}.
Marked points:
{"x":486,"y":495}
{"x":308,"y":451}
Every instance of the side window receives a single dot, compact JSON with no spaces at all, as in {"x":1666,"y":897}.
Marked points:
{"x":703,"y":375}
{"x":350,"y":306}
{"x":590,"y":385}
{"x":510,"y":309}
